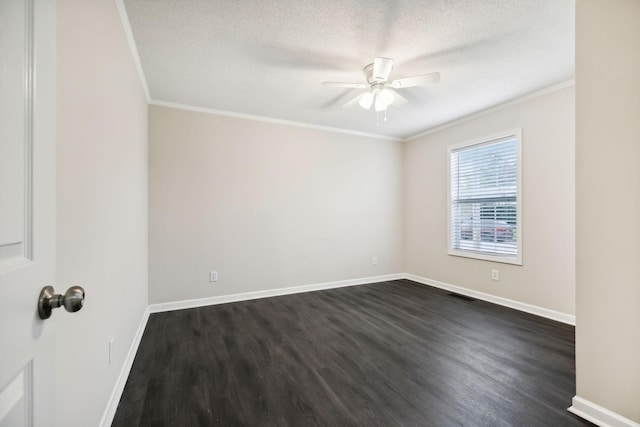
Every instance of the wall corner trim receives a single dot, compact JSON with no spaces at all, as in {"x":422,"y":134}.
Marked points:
{"x":527,"y":308}
{"x":245,"y":296}
{"x":599,"y":415}
{"x":126,"y":26}
{"x":116,"y":394}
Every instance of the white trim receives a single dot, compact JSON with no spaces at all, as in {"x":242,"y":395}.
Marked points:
{"x":15,"y":263}
{"x":116,"y":394}
{"x":486,"y":140}
{"x":599,"y":415}
{"x":527,"y":308}
{"x":245,"y":296}
{"x":489,"y":110}
{"x":122,"y":11}
{"x":12,"y":393}
{"x":126,"y":26}
{"x":269,"y":120}
{"x":517,"y":133}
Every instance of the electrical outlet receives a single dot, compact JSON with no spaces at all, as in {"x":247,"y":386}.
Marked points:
{"x":213,"y":276}
{"x":110,"y":350}
{"x":495,"y":274}
{"x":374,"y":261}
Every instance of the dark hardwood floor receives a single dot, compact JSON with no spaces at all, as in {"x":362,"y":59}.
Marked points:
{"x":387,"y":354}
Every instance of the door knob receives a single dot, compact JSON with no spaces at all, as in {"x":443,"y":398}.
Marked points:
{"x":72,"y":300}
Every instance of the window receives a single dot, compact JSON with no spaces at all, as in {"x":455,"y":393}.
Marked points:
{"x":484,"y":199}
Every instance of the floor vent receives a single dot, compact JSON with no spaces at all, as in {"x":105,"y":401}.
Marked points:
{"x":462,"y":297}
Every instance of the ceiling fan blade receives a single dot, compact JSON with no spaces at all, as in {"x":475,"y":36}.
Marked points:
{"x":353,"y":101}
{"x":382,"y":68}
{"x":398,"y":99}
{"x":349,"y":85}
{"x":415,"y":81}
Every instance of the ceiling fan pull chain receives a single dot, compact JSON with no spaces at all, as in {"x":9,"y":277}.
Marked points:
{"x":385,"y":114}
{"x":378,"y":118}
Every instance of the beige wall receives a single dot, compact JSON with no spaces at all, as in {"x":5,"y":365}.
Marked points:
{"x":608,"y":204}
{"x":270,"y":206}
{"x":101,"y":205}
{"x":546,"y":278}
{"x":266,"y":205}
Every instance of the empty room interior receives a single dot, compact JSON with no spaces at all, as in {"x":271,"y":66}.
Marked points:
{"x":343,"y":213}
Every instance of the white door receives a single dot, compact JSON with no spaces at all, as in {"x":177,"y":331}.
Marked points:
{"x":27,"y":209}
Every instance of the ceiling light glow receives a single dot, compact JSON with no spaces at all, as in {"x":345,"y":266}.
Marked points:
{"x":383,"y":99}
{"x":366,"y":100}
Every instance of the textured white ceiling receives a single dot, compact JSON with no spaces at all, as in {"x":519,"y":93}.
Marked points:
{"x":269,"y":57}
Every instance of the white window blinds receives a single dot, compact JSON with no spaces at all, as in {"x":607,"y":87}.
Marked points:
{"x":484,"y":210}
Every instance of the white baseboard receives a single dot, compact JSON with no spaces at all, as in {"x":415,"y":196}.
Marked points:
{"x":599,"y":415}
{"x":528,"y":308}
{"x":245,"y":296}
{"x":116,"y":394}
{"x":114,"y":400}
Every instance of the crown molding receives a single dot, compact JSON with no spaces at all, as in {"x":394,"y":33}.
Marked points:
{"x":515,"y":101}
{"x":510,"y":103}
{"x":268,"y":120}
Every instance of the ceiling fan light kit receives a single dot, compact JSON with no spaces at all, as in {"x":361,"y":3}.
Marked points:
{"x":366,"y":100}
{"x":381,"y":92}
{"x":384,"y":98}
{"x":379,"y":97}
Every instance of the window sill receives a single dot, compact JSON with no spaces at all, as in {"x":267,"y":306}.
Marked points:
{"x":485,"y":257}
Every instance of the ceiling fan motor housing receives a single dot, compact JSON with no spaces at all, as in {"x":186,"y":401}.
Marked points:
{"x":368,"y":73}
{"x":377,"y":87}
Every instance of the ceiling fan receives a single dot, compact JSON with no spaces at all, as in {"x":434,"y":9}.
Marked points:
{"x":380,"y":91}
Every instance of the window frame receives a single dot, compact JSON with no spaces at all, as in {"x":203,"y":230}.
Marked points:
{"x":517,"y":260}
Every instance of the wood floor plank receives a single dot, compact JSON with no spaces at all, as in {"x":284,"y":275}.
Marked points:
{"x":386,"y":354}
